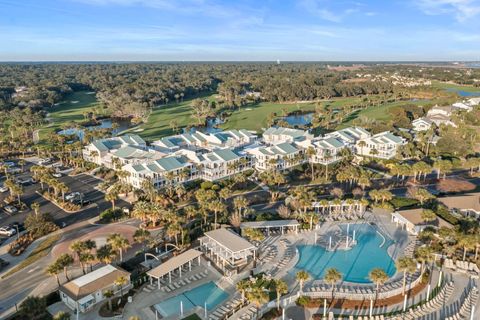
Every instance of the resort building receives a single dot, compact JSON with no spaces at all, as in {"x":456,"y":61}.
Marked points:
{"x":440,"y":115}
{"x":227,"y":250}
{"x":280,"y":157}
{"x":278,"y":135}
{"x":162,"y":172}
{"x":103,"y":151}
{"x":327,"y":150}
{"x":467,"y":205}
{"x":473,"y":101}
{"x":84,"y":293}
{"x":383,"y":145}
{"x":421,"y":124}
{"x":223,"y":163}
{"x":462,"y":106}
{"x":349,"y":136}
{"x":411,"y":220}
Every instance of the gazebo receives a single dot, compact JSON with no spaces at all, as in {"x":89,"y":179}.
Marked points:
{"x":273,"y":224}
{"x":227,"y":248}
{"x":175,"y":263}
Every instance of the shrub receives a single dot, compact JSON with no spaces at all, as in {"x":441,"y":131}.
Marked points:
{"x":206,"y":185}
{"x":445,"y":214}
{"x":303,"y":301}
{"x":110,"y":215}
{"x":52,"y":297}
{"x":400,"y":202}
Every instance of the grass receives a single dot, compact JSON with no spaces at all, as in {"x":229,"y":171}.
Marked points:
{"x":192,"y":317}
{"x":39,"y":252}
{"x":67,"y":111}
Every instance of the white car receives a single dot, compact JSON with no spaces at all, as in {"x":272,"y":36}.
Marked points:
{"x":72,"y":195}
{"x":11,"y":209}
{"x":57,"y":175}
{"x":44,"y":161}
{"x":3,"y":189}
{"x":7,"y":231}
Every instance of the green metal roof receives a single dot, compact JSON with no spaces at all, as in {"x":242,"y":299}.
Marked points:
{"x":226,"y":154}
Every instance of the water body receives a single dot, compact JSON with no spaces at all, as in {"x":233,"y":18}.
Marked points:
{"x":299,"y":119}
{"x":465,"y":94}
{"x":208,"y":293}
{"x":104,"y":124}
{"x":354,"y":264}
{"x":211,"y":127}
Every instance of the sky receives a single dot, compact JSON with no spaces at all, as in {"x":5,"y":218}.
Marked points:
{"x":240,"y":30}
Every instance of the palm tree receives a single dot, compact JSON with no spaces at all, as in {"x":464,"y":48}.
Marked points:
{"x":240,"y":203}
{"x":379,"y":277}
{"x":61,"y":315}
{"x":362,"y":144}
{"x":33,"y":308}
{"x":120,"y":282}
{"x":78,"y":247}
{"x":105,"y":254}
{"x":64,"y":261}
{"x":424,"y":255}
{"x":112,"y":196}
{"x":35,"y":207}
{"x":302,"y":276}
{"x":142,"y":236}
{"x":54,"y":269}
{"x":109,"y":294}
{"x":217,"y":206}
{"x":258,"y":297}
{"x":428,"y":215}
{"x":406,"y":265}
{"x":311,"y":153}
{"x":118,"y":243}
{"x":243,"y":286}
{"x":332,"y":276}
{"x":281,"y":287}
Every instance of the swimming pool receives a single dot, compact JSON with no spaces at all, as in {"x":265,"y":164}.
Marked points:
{"x":354,"y":264}
{"x":208,"y":292}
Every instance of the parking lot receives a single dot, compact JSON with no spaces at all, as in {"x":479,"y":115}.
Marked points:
{"x":82,"y":183}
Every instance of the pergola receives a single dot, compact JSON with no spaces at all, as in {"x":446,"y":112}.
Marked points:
{"x":274,"y":224}
{"x":227,"y":247}
{"x":177,"y":262}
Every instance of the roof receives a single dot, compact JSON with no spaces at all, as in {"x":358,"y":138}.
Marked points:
{"x":229,"y":240}
{"x":269,"y":224}
{"x":414,"y":216}
{"x":294,"y":133}
{"x":463,"y":202}
{"x":174,"y":263}
{"x":93,"y":281}
{"x":226,"y":154}
{"x":170,"y":163}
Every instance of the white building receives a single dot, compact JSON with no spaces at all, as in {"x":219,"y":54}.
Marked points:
{"x":87,"y":291}
{"x":349,"y":136}
{"x":223,"y":163}
{"x":473,"y":101}
{"x":462,"y":106}
{"x":383,"y":145}
{"x":276,"y":135}
{"x":440,"y":115}
{"x":102,"y":152}
{"x":421,"y":124}
{"x":280,"y":156}
{"x":162,"y":172}
{"x":327,"y":150}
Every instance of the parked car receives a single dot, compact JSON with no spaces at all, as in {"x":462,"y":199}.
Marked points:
{"x":3,"y":189}
{"x":57,"y":175}
{"x":44,"y":161}
{"x":10,"y":209}
{"x":24,"y":181}
{"x":9,"y":163}
{"x":14,"y":170}
{"x":72,"y":196}
{"x":7,"y":231}
{"x":17,"y":226}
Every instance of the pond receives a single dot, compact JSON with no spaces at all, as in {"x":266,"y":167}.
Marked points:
{"x":299,"y":119}
{"x":104,"y":124}
{"x":211,"y":127}
{"x":463,"y":93}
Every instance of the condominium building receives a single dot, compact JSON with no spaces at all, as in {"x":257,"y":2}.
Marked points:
{"x":280,"y":156}
{"x":277,"y":135}
{"x":383,"y":145}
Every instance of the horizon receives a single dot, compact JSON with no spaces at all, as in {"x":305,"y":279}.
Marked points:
{"x":214,"y":30}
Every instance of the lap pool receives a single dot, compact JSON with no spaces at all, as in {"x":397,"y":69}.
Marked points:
{"x":354,"y":264}
{"x":196,"y":297}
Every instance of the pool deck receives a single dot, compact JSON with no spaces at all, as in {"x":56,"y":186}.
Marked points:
{"x":150,"y":295}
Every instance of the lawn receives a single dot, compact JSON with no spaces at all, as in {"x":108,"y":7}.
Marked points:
{"x":72,"y":109}
{"x":39,"y":252}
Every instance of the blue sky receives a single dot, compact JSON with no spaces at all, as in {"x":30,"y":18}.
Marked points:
{"x":200,"y":30}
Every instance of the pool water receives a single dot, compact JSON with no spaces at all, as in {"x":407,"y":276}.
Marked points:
{"x":354,"y":264}
{"x":196,"y":297}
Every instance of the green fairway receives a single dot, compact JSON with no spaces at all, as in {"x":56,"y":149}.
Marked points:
{"x":72,"y":109}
